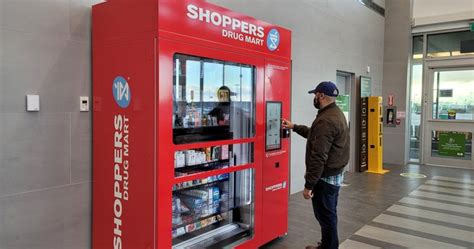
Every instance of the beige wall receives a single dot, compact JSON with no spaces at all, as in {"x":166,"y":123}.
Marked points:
{"x":441,"y":11}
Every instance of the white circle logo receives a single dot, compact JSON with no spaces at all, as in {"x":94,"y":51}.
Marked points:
{"x":273,"y":39}
{"x":121,"y":92}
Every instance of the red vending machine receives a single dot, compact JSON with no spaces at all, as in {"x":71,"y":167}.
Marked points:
{"x":188,"y":151}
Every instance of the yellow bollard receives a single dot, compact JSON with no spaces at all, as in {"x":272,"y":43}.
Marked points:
{"x":375,"y":124}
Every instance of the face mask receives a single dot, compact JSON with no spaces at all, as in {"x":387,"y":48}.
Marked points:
{"x":316,"y":103}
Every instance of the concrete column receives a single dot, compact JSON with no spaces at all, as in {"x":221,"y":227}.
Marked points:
{"x":395,"y":79}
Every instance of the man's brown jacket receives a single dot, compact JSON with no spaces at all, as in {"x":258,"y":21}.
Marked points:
{"x":327,"y":146}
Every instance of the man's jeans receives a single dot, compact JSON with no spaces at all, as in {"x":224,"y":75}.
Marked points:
{"x":324,"y":206}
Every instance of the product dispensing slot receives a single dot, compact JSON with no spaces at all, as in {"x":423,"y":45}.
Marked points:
{"x":285,"y":133}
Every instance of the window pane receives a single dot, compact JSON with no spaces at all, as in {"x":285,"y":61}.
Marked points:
{"x":186,"y":88}
{"x":453,"y":95}
{"x":213,"y":79}
{"x":212,"y":100}
{"x":415,"y":110}
{"x":448,"y":44}
{"x":415,"y":97}
{"x":193,"y":93}
{"x":232,"y":80}
{"x":247,"y":85}
{"x":417,"y":47}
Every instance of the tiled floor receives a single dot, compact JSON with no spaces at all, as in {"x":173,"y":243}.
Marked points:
{"x":390,"y":211}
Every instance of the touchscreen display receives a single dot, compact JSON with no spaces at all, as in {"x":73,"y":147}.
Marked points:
{"x":273,"y":129}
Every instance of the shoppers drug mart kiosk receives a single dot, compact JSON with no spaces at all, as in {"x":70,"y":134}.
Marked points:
{"x":188,"y":149}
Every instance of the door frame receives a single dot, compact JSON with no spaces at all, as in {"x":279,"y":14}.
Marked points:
{"x":352,"y":117}
{"x":427,"y":122}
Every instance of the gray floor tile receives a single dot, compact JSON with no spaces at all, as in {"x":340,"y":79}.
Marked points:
{"x":368,"y":196}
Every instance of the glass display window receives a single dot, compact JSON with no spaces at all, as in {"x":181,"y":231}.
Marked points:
{"x":198,"y":160}
{"x":219,"y":206}
{"x":212,"y":100}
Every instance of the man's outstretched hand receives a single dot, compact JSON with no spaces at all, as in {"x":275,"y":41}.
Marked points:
{"x":287,"y":124}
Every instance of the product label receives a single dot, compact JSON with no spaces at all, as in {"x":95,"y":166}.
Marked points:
{"x":275,"y":153}
{"x":236,"y":29}
{"x":276,"y":187}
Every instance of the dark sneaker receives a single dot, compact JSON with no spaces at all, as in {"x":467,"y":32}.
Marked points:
{"x":314,"y":247}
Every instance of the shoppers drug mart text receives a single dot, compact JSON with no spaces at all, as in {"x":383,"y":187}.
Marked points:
{"x":121,"y":174}
{"x":233,"y":28}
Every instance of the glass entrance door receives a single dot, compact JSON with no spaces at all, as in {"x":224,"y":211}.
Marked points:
{"x":449,"y":117}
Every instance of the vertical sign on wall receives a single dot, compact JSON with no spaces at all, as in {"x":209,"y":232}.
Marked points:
{"x":343,"y":102}
{"x":365,"y":86}
{"x":363,"y":157}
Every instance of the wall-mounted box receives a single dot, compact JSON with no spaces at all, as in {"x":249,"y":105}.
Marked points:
{"x":32,"y":103}
{"x":389,"y":116}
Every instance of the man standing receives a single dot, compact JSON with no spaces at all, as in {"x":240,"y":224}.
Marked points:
{"x":327,"y":153}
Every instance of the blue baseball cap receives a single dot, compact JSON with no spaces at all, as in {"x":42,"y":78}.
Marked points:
{"x":326,"y":87}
